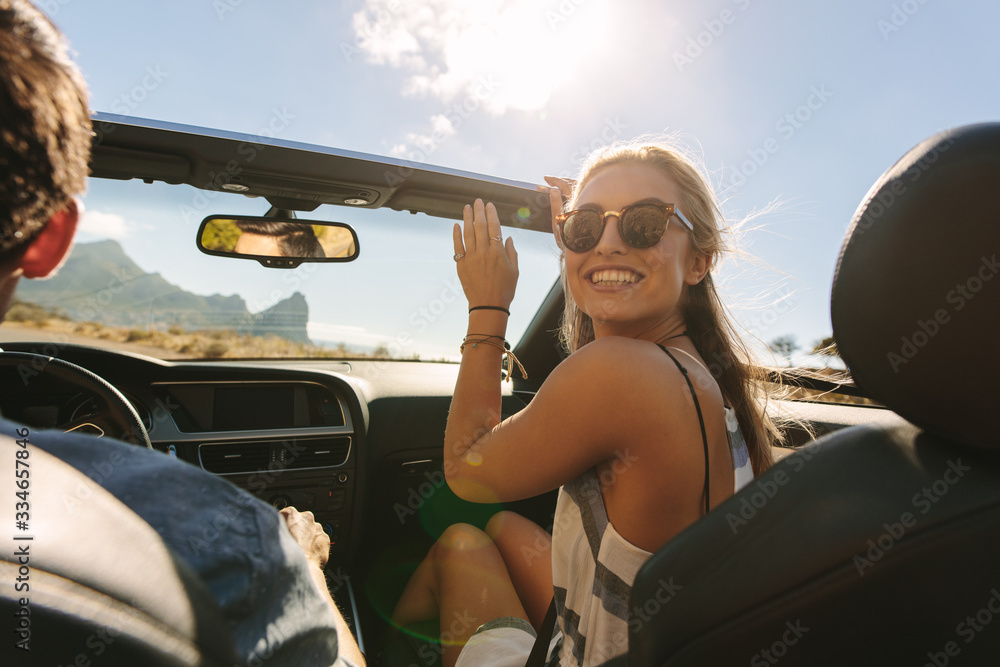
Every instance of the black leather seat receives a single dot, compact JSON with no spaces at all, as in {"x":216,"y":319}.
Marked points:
{"x":873,"y":545}
{"x":97,"y":584}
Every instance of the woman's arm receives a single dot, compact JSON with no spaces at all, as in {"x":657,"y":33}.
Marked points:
{"x":612,"y":394}
{"x":606,"y":401}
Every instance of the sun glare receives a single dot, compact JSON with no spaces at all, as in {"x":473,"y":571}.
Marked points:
{"x":508,"y":54}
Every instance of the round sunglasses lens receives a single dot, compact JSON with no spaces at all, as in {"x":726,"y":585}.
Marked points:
{"x":643,"y":226}
{"x":582,"y":230}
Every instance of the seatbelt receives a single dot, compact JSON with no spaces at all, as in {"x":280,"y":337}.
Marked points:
{"x":541,"y":647}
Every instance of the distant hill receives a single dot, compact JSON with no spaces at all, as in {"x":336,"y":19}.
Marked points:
{"x":100,"y":283}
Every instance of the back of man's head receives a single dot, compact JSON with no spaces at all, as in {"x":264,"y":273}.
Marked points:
{"x":45,"y":128}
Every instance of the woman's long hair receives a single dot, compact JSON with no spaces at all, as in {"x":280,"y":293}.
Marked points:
{"x":708,"y":325}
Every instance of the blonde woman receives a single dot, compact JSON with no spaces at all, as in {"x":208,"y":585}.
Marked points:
{"x":651,"y":421}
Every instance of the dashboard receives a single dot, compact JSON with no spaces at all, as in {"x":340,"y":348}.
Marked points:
{"x":358,"y":443}
{"x":288,"y":436}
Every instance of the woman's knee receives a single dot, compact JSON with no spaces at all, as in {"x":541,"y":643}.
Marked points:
{"x":460,"y":542}
{"x":498,"y":521}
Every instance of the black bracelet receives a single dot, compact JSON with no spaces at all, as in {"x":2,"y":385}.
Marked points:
{"x":500,"y":308}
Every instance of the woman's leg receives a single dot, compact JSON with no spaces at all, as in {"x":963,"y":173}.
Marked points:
{"x":462,"y":581}
{"x":526,"y":549}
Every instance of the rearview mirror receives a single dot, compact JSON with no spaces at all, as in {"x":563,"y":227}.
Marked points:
{"x":279,"y":243}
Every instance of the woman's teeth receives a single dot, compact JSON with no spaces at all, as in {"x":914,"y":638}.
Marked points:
{"x":607,"y":277}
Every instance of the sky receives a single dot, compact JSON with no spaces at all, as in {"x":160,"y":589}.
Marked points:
{"x":794,"y":107}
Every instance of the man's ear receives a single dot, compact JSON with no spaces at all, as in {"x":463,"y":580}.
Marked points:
{"x":51,"y":247}
{"x":701,"y":265}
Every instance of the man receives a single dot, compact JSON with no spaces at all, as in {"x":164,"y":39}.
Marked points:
{"x":277,"y":239}
{"x":264,"y":572}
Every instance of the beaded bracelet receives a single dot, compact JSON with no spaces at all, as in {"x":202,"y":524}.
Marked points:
{"x":508,"y":355}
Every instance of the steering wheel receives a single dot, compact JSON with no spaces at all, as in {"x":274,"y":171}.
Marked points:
{"x":115,"y":409}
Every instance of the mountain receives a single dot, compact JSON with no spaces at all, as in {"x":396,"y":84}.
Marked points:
{"x":286,"y":318}
{"x":100,"y":283}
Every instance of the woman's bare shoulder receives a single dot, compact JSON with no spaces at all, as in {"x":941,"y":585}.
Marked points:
{"x":615,"y":348}
{"x":616,"y":361}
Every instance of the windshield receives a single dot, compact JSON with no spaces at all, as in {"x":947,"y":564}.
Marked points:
{"x":136,"y":281}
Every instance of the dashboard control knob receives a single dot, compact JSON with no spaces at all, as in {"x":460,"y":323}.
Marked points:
{"x":342,"y":478}
{"x":280,"y":501}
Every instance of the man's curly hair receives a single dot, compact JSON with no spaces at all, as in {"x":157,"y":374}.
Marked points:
{"x":45,"y":128}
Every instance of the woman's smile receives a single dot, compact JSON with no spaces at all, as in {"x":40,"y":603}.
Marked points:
{"x":614,"y":277}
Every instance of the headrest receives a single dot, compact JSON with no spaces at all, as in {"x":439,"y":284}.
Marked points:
{"x":916,"y":293}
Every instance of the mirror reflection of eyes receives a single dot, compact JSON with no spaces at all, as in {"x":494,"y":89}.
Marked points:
{"x":290,"y":242}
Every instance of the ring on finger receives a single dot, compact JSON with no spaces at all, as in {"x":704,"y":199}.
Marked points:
{"x":498,"y":238}
{"x":458,"y":256}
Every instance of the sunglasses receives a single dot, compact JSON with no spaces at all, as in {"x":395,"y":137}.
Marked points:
{"x":640,"y":225}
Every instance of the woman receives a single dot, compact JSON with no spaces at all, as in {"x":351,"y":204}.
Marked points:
{"x":633,"y":426}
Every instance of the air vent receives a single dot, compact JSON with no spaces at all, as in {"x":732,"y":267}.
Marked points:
{"x":235,"y":457}
{"x":292,"y":454}
{"x":320,"y":453}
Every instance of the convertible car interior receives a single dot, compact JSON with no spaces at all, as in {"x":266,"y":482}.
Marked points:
{"x":874,"y":539}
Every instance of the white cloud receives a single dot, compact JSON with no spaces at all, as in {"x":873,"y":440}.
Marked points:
{"x":419,"y":145}
{"x":442,"y":126}
{"x":478,"y":57}
{"x":493,"y":55}
{"x":105,"y":225}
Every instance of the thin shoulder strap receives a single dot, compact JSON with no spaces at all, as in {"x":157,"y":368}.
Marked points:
{"x":701,"y":419}
{"x":540,"y":649}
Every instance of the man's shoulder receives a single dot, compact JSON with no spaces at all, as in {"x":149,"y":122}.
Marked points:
{"x":141,"y":478}
{"x":99,"y":458}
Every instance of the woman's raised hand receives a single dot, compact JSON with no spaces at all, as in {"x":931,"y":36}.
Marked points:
{"x":560,"y":190}
{"x":564,"y":185}
{"x":487,"y":265}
